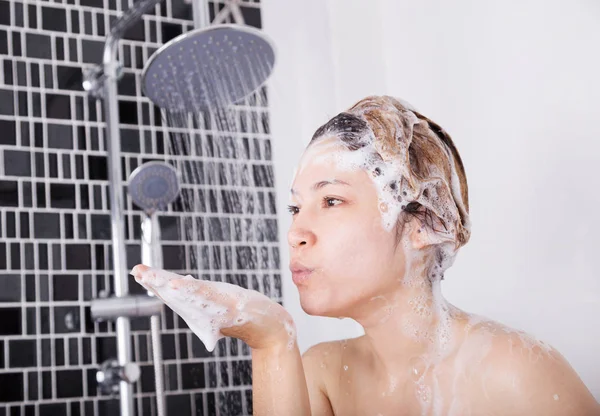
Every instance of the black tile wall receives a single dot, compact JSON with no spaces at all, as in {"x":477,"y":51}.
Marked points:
{"x":12,"y":387}
{"x":55,"y":234}
{"x":22,"y":353}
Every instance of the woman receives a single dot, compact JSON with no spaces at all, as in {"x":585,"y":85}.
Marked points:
{"x":380,"y":206}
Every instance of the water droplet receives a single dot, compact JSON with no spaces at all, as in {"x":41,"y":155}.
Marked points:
{"x":556,"y":397}
{"x":345,"y":368}
{"x":417,"y":367}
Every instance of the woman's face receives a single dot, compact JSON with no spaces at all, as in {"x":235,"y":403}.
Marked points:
{"x":341,"y":255}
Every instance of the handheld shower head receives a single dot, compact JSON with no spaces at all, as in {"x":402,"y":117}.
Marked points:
{"x":208,"y":67}
{"x":153,"y":186}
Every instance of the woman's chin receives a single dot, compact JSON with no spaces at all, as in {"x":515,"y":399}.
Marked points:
{"x":316,"y":305}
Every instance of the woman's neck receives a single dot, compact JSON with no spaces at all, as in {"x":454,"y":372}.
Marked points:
{"x":413,"y":321}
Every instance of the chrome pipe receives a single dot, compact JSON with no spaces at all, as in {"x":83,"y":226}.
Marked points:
{"x":111,"y":69}
{"x":130,"y":17}
{"x":201,"y":13}
{"x":126,"y":306}
{"x":152,"y":257}
{"x":151,"y":249}
{"x":159,"y":383}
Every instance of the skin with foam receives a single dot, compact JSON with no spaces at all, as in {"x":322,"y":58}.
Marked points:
{"x":422,"y":354}
{"x":419,"y":353}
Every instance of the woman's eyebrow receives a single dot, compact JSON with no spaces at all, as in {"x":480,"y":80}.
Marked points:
{"x":322,"y":184}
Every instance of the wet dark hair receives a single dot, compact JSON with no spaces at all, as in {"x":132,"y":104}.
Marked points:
{"x":349,"y":128}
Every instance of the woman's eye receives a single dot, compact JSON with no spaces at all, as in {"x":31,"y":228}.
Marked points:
{"x":331,"y":202}
{"x":327,"y":202}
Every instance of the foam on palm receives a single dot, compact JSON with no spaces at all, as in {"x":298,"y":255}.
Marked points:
{"x":198,"y":306}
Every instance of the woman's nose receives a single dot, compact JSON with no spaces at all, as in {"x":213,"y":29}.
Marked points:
{"x":300,"y":237}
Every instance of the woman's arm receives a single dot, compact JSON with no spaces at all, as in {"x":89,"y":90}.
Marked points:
{"x":313,"y":361}
{"x":215,"y":309}
{"x":278,"y":382}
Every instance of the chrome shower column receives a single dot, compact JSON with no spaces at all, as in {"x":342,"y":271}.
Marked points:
{"x":115,"y":192}
{"x":102,"y":82}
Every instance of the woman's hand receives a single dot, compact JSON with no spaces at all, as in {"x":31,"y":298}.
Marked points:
{"x":215,"y":309}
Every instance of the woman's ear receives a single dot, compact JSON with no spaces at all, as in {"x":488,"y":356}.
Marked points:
{"x":422,"y":235}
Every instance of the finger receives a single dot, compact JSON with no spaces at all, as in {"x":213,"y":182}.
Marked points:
{"x":138,"y":270}
{"x":193,"y":287}
{"x":194,"y":299}
{"x":220,"y":293}
{"x":203,"y":296}
{"x":155,"y":278}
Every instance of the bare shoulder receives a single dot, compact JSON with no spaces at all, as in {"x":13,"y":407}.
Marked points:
{"x":321,"y":365}
{"x":323,"y":350}
{"x":324,"y":360}
{"x":524,"y":375}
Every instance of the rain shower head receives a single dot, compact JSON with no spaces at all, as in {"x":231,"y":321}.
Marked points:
{"x":208,"y":67}
{"x":153,"y":186}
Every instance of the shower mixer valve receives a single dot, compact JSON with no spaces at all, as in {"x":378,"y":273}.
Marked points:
{"x":111,"y":374}
{"x":94,"y":77}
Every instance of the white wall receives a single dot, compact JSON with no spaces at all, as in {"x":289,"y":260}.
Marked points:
{"x":302,"y":97}
{"x":518,"y":89}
